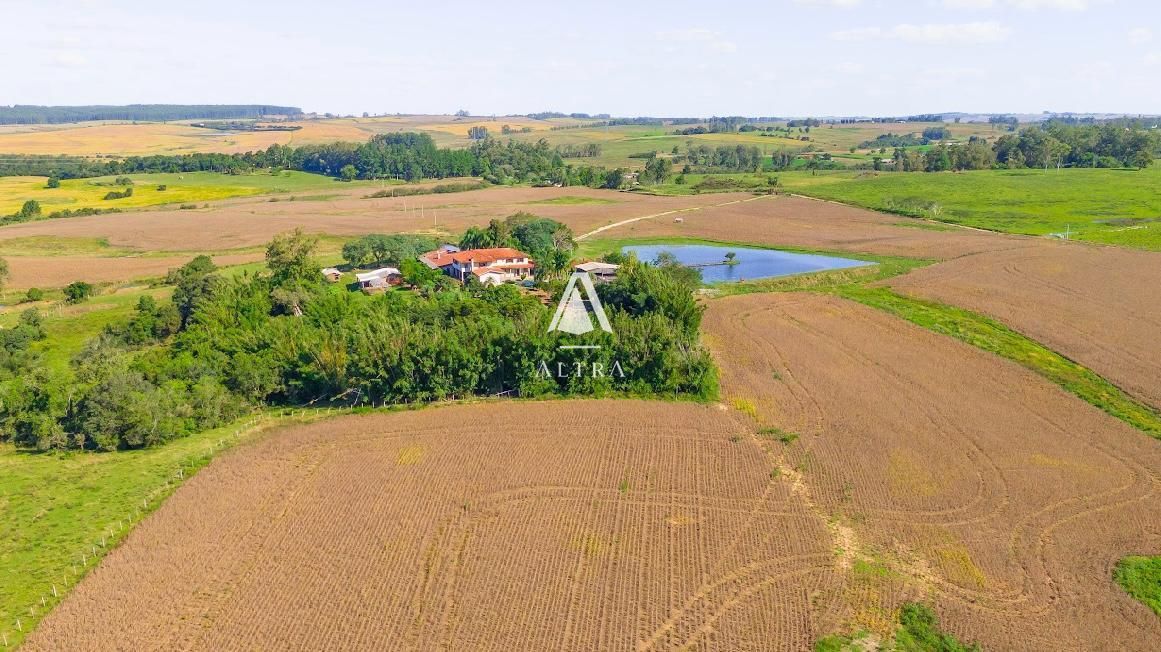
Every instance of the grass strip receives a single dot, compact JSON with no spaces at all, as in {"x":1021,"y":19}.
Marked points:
{"x":1141,"y":578}
{"x":990,"y":335}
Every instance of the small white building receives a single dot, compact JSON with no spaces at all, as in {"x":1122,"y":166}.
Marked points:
{"x":379,"y":279}
{"x":606,"y":272}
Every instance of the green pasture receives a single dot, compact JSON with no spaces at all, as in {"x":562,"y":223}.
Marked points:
{"x":1120,"y":207}
{"x":60,"y":513}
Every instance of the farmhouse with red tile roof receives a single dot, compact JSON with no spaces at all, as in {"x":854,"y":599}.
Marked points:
{"x":490,"y":266}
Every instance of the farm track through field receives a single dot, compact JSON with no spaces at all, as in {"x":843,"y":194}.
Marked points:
{"x":798,"y":222}
{"x":1004,"y":499}
{"x":560,"y":525}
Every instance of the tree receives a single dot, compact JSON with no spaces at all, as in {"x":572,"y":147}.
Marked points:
{"x":293,"y":271}
{"x":78,"y":291}
{"x":290,"y":258}
{"x":614,"y":179}
{"x":348,"y":172}
{"x":30,"y":209}
{"x":196,"y":283}
{"x":53,"y":182}
{"x":657,"y":170}
{"x":478,"y":132}
{"x":357,"y":253}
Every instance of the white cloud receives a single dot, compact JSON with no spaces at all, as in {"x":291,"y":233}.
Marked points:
{"x":70,"y":59}
{"x":1140,"y":35}
{"x":1064,"y":5}
{"x":969,"y":4}
{"x":857,"y":34}
{"x":708,"y":38}
{"x":1061,"y":5}
{"x":963,"y":33}
{"x":849,"y":67}
{"x":831,"y":3}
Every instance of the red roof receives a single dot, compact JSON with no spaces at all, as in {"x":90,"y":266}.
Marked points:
{"x":477,"y":256}
{"x":485,"y":256}
{"x":437,"y":258}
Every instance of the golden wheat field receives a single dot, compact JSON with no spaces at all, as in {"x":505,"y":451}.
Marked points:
{"x":138,"y":139}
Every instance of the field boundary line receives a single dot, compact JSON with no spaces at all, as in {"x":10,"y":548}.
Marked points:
{"x":921,"y":219}
{"x":689,"y":209}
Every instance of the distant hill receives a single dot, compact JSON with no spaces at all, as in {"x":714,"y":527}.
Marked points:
{"x":28,"y":114}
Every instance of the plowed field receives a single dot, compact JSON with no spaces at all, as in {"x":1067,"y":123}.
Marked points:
{"x":799,"y":222}
{"x":1100,"y":306}
{"x":951,"y":472}
{"x":247,"y":223}
{"x":587,"y":525}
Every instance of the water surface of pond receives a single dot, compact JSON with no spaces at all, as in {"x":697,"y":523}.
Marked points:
{"x":751,"y":263}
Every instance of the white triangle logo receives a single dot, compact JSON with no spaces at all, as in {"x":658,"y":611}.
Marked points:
{"x":572,"y":315}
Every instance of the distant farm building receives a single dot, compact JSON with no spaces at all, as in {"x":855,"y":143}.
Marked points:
{"x":379,"y":279}
{"x":489,"y":266}
{"x":606,"y":272}
{"x":331,"y":274}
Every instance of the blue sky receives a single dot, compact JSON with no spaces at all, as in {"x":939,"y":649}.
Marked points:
{"x":781,"y":57}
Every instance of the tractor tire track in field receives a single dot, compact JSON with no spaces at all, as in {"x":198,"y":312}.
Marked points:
{"x":572,"y":525}
{"x":1001,"y":497}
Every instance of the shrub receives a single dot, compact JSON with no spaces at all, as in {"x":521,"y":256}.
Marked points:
{"x":34,"y":294}
{"x":53,"y":182}
{"x":78,"y":291}
{"x":31,"y":208}
{"x":162,"y":188}
{"x":113,"y":194}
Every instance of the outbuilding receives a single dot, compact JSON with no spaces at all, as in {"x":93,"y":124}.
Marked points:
{"x":379,"y":279}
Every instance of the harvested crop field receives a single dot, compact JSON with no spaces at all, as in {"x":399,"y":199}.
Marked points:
{"x":246,"y":223}
{"x":561,"y":525}
{"x":1100,"y":306}
{"x":57,"y":271}
{"x":953,"y":473}
{"x":814,"y":224}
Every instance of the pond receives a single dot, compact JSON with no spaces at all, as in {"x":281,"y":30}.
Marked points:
{"x":750,"y":264}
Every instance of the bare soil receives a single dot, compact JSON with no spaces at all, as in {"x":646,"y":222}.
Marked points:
{"x":949,"y":472}
{"x":814,"y":224}
{"x":57,"y":271}
{"x":1100,"y":306}
{"x":586,"y":525}
{"x":247,"y":223}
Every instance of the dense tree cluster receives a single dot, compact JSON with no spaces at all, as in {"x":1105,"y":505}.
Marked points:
{"x":1052,"y":144}
{"x":223,"y":344}
{"x":1056,"y":144}
{"x":378,"y":249}
{"x":586,"y":150}
{"x":890,"y":139}
{"x":29,"y":114}
{"x":724,"y":158}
